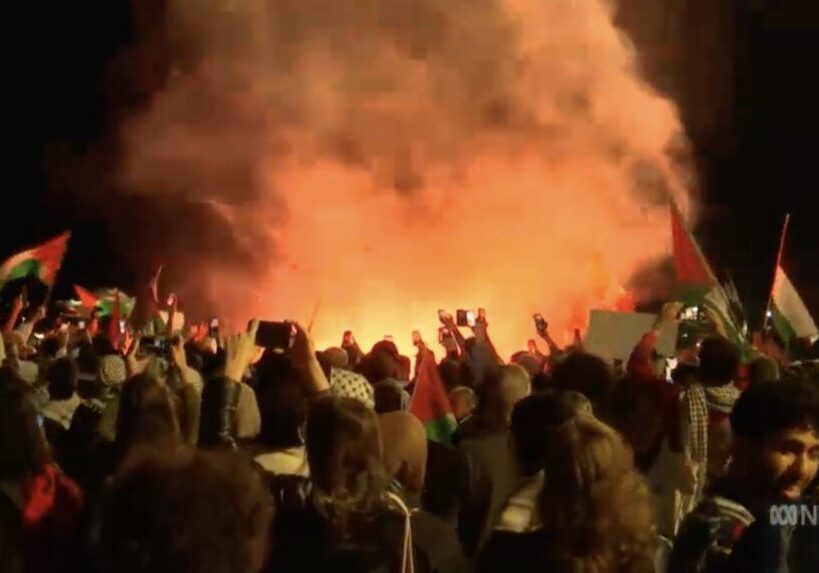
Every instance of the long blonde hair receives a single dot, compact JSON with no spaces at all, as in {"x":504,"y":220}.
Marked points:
{"x":594,"y":503}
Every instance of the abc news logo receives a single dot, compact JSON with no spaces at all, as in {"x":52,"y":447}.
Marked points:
{"x":795,"y":514}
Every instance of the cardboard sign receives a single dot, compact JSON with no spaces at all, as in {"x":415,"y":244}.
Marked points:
{"x":614,"y":335}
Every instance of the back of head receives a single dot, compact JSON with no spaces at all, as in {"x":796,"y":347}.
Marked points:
{"x":719,"y":361}
{"x":283,"y":408}
{"x":762,"y":369}
{"x":183,"y":510}
{"x":502,"y":388}
{"x":405,"y":448}
{"x":62,"y":379}
{"x":767,"y":409}
{"x":146,"y":413}
{"x":23,"y":450}
{"x":344,"y":454}
{"x":50,"y":347}
{"x":534,"y":419}
{"x":388,"y":397}
{"x":594,"y":500}
{"x":583,"y":373}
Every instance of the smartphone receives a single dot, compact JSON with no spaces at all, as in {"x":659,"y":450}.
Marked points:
{"x":461,"y":318}
{"x":275,"y":335}
{"x":416,"y":337}
{"x":40,"y":420}
{"x":540,"y":323}
{"x":171,"y":299}
{"x":347,"y":339}
{"x":156,"y":345}
{"x":470,"y":318}
{"x":81,"y":325}
{"x":122,"y":323}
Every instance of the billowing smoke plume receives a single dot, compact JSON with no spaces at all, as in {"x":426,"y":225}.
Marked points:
{"x":386,"y":158}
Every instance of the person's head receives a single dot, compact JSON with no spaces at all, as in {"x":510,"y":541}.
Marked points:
{"x":112,"y":371}
{"x":635,"y":410}
{"x":719,"y":361}
{"x":333,"y":358}
{"x":23,"y":448}
{"x":775,"y":427}
{"x":541,"y":382}
{"x":501,"y":389}
{"x":463,"y":401}
{"x":344,"y":454}
{"x":534,"y":420}
{"x":146,"y":413}
{"x":49,"y":347}
{"x":283,"y":408}
{"x":594,"y":501}
{"x":381,"y":364}
{"x":186,"y":510}
{"x":584,"y":373}
{"x":102,"y":345}
{"x":389,"y":397}
{"x":762,"y":369}
{"x":62,"y":379}
{"x":405,"y":449}
{"x":450,"y":372}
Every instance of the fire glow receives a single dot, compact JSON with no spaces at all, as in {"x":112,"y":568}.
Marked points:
{"x":411,"y":155}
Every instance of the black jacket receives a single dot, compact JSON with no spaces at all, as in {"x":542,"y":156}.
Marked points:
{"x":217,"y":421}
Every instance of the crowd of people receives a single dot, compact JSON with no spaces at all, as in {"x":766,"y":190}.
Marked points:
{"x":212,"y":454}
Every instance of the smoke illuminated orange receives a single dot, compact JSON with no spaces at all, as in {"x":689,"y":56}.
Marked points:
{"x":411,"y":155}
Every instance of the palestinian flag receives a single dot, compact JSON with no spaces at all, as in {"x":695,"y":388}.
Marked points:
{"x":430,"y":402}
{"x":42,"y":261}
{"x":791,"y":318}
{"x":719,"y":303}
{"x":108,"y":298}
{"x":694,"y":277}
{"x":87,"y":298}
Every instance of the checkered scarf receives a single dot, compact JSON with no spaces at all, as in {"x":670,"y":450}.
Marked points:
{"x":696,"y":404}
{"x":722,"y":398}
{"x":352,"y":385}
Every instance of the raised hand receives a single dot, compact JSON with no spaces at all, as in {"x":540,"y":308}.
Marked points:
{"x":240,"y":349}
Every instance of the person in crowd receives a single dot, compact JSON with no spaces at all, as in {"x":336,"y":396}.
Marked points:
{"x":774,"y":457}
{"x":405,"y":450}
{"x":584,"y":373}
{"x":463,"y":402}
{"x":283,"y":406}
{"x":533,"y":421}
{"x":389,"y":396}
{"x":486,"y":439}
{"x":343,"y":518}
{"x":179,"y":509}
{"x":63,"y":400}
{"x":41,"y":509}
{"x":594,"y":508}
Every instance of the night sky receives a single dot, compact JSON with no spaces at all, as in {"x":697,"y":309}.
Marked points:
{"x":70,"y":88}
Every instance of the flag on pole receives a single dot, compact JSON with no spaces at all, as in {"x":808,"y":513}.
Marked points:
{"x":87,"y":298}
{"x":789,"y":315}
{"x":42,"y":261}
{"x":694,"y":276}
{"x":430,"y":402}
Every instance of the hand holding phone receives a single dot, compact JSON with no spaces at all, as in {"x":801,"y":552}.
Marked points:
{"x":461,"y":318}
{"x":274,"y":335}
{"x":348,"y":339}
{"x":540,"y":323}
{"x":444,"y":316}
{"x":416,"y":337}
{"x":470,"y":319}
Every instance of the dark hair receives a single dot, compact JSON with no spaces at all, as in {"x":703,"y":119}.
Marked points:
{"x":584,"y":373}
{"x":102,"y":345}
{"x":762,"y":369}
{"x":186,"y":510}
{"x":23,"y":449}
{"x":541,"y":382}
{"x":62,"y":379}
{"x":50,"y":347}
{"x":719,"y":361}
{"x":283,"y":409}
{"x":344,"y":455}
{"x":387,"y":397}
{"x":533,"y":418}
{"x":146,"y":413}
{"x":770,"y":408}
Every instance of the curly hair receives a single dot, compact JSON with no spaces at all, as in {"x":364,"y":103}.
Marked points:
{"x":344,"y":454}
{"x":183,"y":510}
{"x":594,"y":502}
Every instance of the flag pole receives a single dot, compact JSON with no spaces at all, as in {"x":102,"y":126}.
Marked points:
{"x":779,"y":254}
{"x":313,"y":318}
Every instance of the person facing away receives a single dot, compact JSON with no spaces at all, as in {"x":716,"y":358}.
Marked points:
{"x":594,"y":509}
{"x":179,"y":510}
{"x":774,"y":457}
{"x":41,"y":510}
{"x":342,"y":518}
